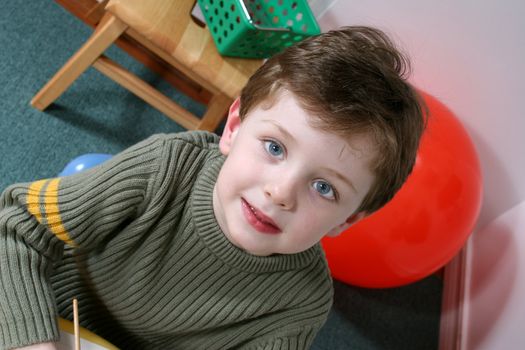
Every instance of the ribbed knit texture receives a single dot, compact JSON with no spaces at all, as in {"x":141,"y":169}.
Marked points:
{"x":136,"y":241}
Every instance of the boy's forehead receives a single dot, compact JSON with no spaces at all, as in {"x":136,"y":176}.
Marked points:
{"x":274,"y":98}
{"x":299,"y":126}
{"x":270,"y":111}
{"x":282,"y":100}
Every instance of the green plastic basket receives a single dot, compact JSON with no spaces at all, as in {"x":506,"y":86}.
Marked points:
{"x":257,"y":28}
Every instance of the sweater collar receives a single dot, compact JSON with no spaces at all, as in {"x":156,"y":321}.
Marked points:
{"x":209,"y":231}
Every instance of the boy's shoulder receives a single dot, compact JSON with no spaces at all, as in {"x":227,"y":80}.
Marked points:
{"x":198,"y":138}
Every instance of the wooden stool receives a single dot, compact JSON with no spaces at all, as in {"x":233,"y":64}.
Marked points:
{"x":166,"y":28}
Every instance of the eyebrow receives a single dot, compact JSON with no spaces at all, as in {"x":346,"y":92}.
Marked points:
{"x":281,"y":129}
{"x":341,"y":177}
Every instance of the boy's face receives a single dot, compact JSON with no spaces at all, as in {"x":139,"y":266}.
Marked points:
{"x":284,"y":184}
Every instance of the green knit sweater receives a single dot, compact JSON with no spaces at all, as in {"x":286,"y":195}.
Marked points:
{"x":136,"y":241}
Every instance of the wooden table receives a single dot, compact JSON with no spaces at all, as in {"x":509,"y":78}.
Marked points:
{"x":91,"y":11}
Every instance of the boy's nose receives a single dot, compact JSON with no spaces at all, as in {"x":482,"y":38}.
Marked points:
{"x":281,"y":194}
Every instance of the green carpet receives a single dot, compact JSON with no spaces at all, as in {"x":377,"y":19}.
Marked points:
{"x":97,"y":116}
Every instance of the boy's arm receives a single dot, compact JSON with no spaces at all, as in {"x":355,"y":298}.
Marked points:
{"x":37,"y":219}
{"x":296,"y":327}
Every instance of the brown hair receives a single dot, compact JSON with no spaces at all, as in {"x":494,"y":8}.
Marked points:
{"x":352,"y":81}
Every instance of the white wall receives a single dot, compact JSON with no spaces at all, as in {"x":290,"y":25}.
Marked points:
{"x":471,"y":56}
{"x":494,"y":308}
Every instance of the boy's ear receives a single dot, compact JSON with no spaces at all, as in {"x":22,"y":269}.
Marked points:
{"x":352,"y":219}
{"x":231,"y":127}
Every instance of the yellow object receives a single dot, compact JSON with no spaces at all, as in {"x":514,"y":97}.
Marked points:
{"x":43,"y":194}
{"x":68,"y":327}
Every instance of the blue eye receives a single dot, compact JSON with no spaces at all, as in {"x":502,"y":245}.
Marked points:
{"x":324,"y":189}
{"x":273,"y":148}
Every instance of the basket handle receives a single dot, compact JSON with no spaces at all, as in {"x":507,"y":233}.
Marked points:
{"x":258,"y":27}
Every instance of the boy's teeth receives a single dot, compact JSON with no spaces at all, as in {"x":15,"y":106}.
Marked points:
{"x":256,"y":214}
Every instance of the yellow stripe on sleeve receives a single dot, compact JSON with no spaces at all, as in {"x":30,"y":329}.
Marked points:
{"x":54,"y":220}
{"x":33,"y":199}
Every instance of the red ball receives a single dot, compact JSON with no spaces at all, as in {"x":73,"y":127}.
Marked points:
{"x":428,"y":220}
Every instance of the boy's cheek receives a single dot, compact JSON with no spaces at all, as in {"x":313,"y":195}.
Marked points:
{"x":310,"y":230}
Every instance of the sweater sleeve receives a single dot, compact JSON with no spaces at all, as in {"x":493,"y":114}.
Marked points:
{"x":294,"y":340}
{"x":37,"y":219}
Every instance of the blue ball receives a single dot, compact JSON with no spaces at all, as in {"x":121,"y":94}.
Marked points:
{"x":84,"y":162}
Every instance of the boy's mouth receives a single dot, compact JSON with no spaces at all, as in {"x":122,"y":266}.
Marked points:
{"x":258,"y":220}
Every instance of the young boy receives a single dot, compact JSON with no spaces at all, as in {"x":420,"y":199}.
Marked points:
{"x":190,"y":242}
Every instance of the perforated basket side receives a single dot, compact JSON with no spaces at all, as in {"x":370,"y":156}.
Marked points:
{"x":257,"y":28}
{"x":294,"y":15}
{"x":226,"y":22}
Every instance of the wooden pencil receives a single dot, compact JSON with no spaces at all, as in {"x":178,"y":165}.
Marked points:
{"x":76,"y":325}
